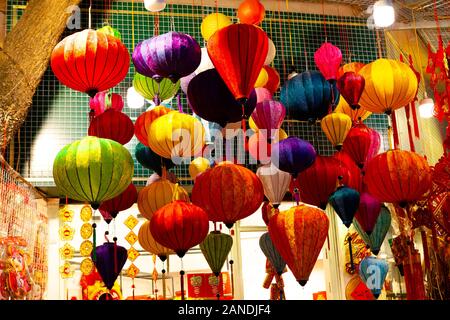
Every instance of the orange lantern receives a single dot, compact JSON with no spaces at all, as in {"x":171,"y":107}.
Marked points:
{"x":144,"y":121}
{"x":251,"y":12}
{"x":148,"y":242}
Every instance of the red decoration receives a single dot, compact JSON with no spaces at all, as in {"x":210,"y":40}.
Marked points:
{"x":328,"y":59}
{"x":179,"y":226}
{"x":231,"y":49}
{"x":351,"y":86}
{"x":144,"y":121}
{"x":266,"y":212}
{"x":207,"y":286}
{"x":251,"y":12}
{"x":90,"y":61}
{"x":274,"y":80}
{"x":356,"y":179}
{"x":105,"y":100}
{"x":113,"y":125}
{"x":122,"y":202}
{"x":228,"y":193}
{"x":361,"y":143}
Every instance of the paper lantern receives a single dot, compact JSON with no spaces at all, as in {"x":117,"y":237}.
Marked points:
{"x":273,"y":83}
{"x":308,"y":96}
{"x":345,"y":201}
{"x":351,"y":86}
{"x":275,"y":183}
{"x":293,"y":155}
{"x":150,"y":89}
{"x":109,"y":260}
{"x":231,"y":48}
{"x":336,"y":127}
{"x":215,"y":248}
{"x":228,"y":193}
{"x":361,"y":144}
{"x":90,"y":61}
{"x":150,"y":160}
{"x":390,"y":85}
{"x":155,"y":5}
{"x":299,"y":234}
{"x":328,"y":59}
{"x":271,"y":253}
{"x":269,"y":115}
{"x":179,"y":226}
{"x":368,"y":212}
{"x":93,"y":170}
{"x":213,"y":22}
{"x":262,"y":79}
{"x":122,"y":202}
{"x":157,"y":195}
{"x":176,"y":135}
{"x":270,"y":53}
{"x":114,"y":125}
{"x":266,"y":212}
{"x":105,"y":100}
{"x":350,"y":67}
{"x":251,"y":12}
{"x":149,"y":244}
{"x":373,"y":272}
{"x":356,"y":115}
{"x":398,"y":177}
{"x":319,"y":181}
{"x":144,"y":121}
{"x":170,"y":55}
{"x":197,"y":166}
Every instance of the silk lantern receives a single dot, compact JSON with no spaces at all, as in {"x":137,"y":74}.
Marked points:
{"x":215,"y":248}
{"x":144,"y":121}
{"x":336,"y":127}
{"x":293,"y":155}
{"x":179,"y":226}
{"x":398,"y":177}
{"x":149,"y":244}
{"x":299,"y":234}
{"x":231,"y":48}
{"x":213,"y":22}
{"x":351,"y":86}
{"x":368,"y":211}
{"x":150,"y":160}
{"x":109,"y":259}
{"x":355,"y":175}
{"x":390,"y":85}
{"x":90,"y":61}
{"x":328,"y":59}
{"x":308,"y":96}
{"x":271,"y":253}
{"x":361,"y":144}
{"x":275,"y":183}
{"x":262,"y":79}
{"x":373,"y":272}
{"x":269,"y":115}
{"x":106,"y":100}
{"x":345,"y":202}
{"x":228,"y":193}
{"x":197,"y":166}
{"x":355,"y":114}
{"x":176,"y":135}
{"x":350,"y":67}
{"x":260,"y":146}
{"x":273,"y":82}
{"x":93,"y":170}
{"x":251,"y":12}
{"x":114,"y":125}
{"x":158,"y":194}
{"x":150,"y":89}
{"x":266,"y":212}
{"x":122,"y":202}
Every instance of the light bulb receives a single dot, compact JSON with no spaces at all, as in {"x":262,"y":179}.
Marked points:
{"x":383,"y":13}
{"x":134,"y":99}
{"x":426,"y":108}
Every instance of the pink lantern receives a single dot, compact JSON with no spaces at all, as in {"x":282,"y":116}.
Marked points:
{"x":269,"y":115}
{"x":105,"y":100}
{"x":328,"y":59}
{"x":262,"y":94}
{"x":368,"y":212}
{"x":375,"y":139}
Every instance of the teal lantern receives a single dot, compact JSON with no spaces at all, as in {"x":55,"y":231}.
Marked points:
{"x":373,"y":272}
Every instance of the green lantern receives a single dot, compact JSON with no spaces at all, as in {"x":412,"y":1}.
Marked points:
{"x":93,"y":170}
{"x":111,"y":31}
{"x":376,"y":238}
{"x":150,"y":89}
{"x":216,"y":248}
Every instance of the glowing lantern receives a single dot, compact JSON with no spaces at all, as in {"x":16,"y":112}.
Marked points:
{"x":351,"y":86}
{"x":328,"y":59}
{"x":113,"y":125}
{"x":197,"y":166}
{"x":273,"y":83}
{"x":90,"y":61}
{"x":345,"y":201}
{"x":299,"y":234}
{"x":215,"y":249}
{"x":336,"y":127}
{"x":361,"y":144}
{"x":251,"y":12}
{"x":373,"y":272}
{"x":122,"y":202}
{"x":368,"y":212}
{"x":269,"y":115}
{"x":150,"y":89}
{"x":144,"y":121}
{"x":390,"y":85}
{"x":93,"y":170}
{"x":104,"y":101}
{"x":150,"y":160}
{"x":350,"y":67}
{"x":275,"y":183}
{"x":269,"y":250}
{"x":293,"y":155}
{"x":213,"y":22}
{"x":262,"y":79}
{"x":356,"y":115}
{"x":149,"y":244}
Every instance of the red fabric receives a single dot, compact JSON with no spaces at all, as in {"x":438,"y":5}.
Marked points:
{"x":104,"y":100}
{"x":355,"y":181}
{"x":238,"y":52}
{"x":122,"y":202}
{"x":228,"y":193}
{"x":361,"y":143}
{"x":90,"y":61}
{"x":351,"y":86}
{"x":251,"y":12}
{"x":410,"y":137}
{"x":395,"y":130}
{"x":274,"y":80}
{"x":328,"y":59}
{"x":179,"y":226}
{"x":113,"y":125}
{"x":144,"y":121}
{"x":353,"y":66}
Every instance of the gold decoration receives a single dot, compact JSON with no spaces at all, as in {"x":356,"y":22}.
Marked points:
{"x":86,"y":248}
{"x":66,"y":232}
{"x":65,"y":214}
{"x":66,"y":252}
{"x":131,"y":222}
{"x":66,"y":270}
{"x":86,"y":230}
{"x":133,"y":254}
{"x":86,"y":213}
{"x":131,"y":238}
{"x":87,"y":266}
{"x":132,"y":271}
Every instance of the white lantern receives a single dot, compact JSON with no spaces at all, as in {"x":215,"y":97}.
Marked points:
{"x":205,"y":63}
{"x":155,"y":5}
{"x":270,"y":53}
{"x":134,"y":99}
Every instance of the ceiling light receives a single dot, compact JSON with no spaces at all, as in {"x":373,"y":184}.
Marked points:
{"x":134,"y":99}
{"x":383,"y":13}
{"x":426,"y":108}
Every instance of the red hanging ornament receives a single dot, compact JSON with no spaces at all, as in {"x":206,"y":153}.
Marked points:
{"x":351,"y":86}
{"x":361,"y":143}
{"x":122,"y":202}
{"x":112,"y":125}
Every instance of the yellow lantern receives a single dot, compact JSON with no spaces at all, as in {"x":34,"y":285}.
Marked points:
{"x":149,"y":244}
{"x":212,"y":23}
{"x":263,"y":77}
{"x":157,"y":195}
{"x":355,"y":115}
{"x":390,"y":85}
{"x":336,"y":127}
{"x":281,"y":135}
{"x":176,"y":135}
{"x":197,"y":166}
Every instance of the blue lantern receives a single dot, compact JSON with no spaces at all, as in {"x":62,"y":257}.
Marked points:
{"x":345,"y":201}
{"x":373,"y":272}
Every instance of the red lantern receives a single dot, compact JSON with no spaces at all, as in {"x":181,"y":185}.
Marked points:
{"x":274,"y":80}
{"x":251,"y":12}
{"x":351,"y":86}
{"x":179,"y":226}
{"x":144,"y":121}
{"x":104,"y":101}
{"x":122,"y":202}
{"x":361,"y":144}
{"x":352,"y":66}
{"x":266,"y":212}
{"x":328,"y":59}
{"x":231,"y":49}
{"x":113,"y":125}
{"x":228,"y":193}
{"x":355,"y":180}
{"x":90,"y":61}
{"x":398,"y":177}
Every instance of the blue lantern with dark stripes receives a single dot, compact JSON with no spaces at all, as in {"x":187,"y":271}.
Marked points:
{"x":345,"y":201}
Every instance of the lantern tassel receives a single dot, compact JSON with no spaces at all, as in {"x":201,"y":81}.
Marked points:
{"x":219,"y":282}
{"x":94,"y":242}
{"x":115,"y":255}
{"x":243,"y":127}
{"x":163,"y":271}
{"x":182,"y":284}
{"x":132,"y":287}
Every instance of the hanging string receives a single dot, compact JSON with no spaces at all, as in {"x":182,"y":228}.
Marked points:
{"x":231,"y":262}
{"x":90,"y":17}
{"x":132,"y":23}
{"x":163,"y":277}
{"x":290,"y":35}
{"x":282,"y":41}
{"x":94,"y":242}
{"x":116,"y":269}
{"x":182,"y":280}
{"x":324,"y":21}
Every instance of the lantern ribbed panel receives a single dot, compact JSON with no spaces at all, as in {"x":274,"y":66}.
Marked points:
{"x":274,"y":181}
{"x":336,"y":127}
{"x":215,"y":249}
{"x":113,"y":125}
{"x":99,"y":103}
{"x":375,"y":239}
{"x":149,"y":244}
{"x":344,"y":107}
{"x":150,"y":88}
{"x":269,"y":250}
{"x":144,"y":121}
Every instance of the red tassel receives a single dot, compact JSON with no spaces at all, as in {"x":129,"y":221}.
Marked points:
{"x":415,"y":122}
{"x":244,"y":128}
{"x":411,"y":140}
{"x":395,"y":130}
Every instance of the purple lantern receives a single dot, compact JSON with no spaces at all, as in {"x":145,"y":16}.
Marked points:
{"x":171,"y":55}
{"x":109,"y":260}
{"x":269,"y":115}
{"x":293,"y":155}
